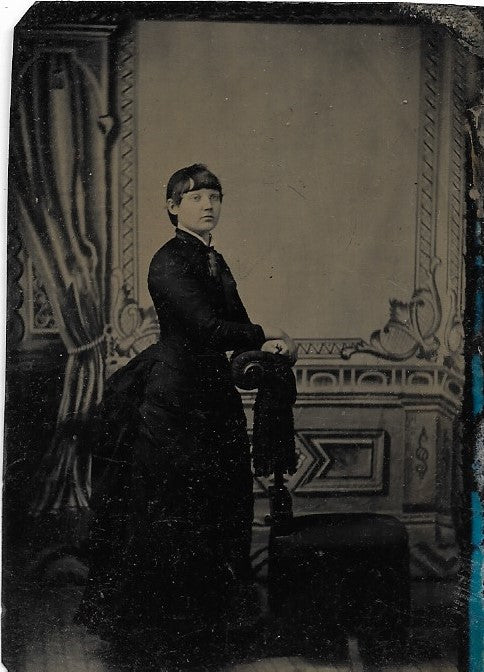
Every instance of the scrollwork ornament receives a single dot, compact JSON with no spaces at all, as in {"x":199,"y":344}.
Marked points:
{"x":454,"y":336}
{"x":422,"y":454}
{"x":132,"y":328}
{"x":412,"y":327}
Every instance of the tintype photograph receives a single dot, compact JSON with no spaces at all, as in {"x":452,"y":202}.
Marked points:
{"x":243,"y":338}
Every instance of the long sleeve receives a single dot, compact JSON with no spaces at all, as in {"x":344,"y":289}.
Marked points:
{"x":174,"y":285}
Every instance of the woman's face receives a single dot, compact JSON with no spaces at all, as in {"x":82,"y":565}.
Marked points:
{"x":198,"y":210}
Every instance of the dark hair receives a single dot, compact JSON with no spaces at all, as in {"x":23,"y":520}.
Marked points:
{"x":188,"y":179}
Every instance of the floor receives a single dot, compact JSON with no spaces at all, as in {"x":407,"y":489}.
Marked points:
{"x":39,"y":636}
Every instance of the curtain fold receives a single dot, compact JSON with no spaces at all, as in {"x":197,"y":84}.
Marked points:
{"x":58,"y":171}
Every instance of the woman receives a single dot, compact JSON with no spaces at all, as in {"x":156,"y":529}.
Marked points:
{"x":184,"y":550}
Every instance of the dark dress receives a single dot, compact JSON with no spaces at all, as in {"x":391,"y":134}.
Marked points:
{"x":171,"y":540}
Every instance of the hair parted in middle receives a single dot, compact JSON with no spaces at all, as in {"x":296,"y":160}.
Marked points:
{"x":191,"y":178}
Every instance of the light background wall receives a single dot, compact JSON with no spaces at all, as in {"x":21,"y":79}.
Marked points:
{"x":313,"y":131}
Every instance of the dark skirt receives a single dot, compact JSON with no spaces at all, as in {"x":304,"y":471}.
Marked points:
{"x":170,"y":543}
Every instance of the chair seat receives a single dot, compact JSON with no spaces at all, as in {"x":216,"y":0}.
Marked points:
{"x":352,"y":569}
{"x":339,"y":531}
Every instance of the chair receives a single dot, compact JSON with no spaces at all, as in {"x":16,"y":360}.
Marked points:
{"x":343,"y":572}
{"x":331,"y":573}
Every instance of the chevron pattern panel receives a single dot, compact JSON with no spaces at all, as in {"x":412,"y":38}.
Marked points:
{"x":337,"y":462}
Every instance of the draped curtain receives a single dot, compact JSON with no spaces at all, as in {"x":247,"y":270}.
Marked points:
{"x":58,"y":170}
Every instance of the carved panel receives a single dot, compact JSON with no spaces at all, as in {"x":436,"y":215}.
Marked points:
{"x":444,"y":469}
{"x":350,"y":462}
{"x":420,"y":460}
{"x":335,"y":462}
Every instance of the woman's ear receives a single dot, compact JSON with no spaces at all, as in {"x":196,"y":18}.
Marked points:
{"x":172,"y":207}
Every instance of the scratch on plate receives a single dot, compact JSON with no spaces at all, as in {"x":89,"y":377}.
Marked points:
{"x":297,"y":192}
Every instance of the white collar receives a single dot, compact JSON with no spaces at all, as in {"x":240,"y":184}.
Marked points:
{"x":192,"y":233}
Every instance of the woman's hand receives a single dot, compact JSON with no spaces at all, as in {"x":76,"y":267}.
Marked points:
{"x":282,"y":346}
{"x":276,"y":346}
{"x":279,"y":343}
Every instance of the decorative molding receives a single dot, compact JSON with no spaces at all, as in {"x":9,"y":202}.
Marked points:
{"x":412,"y":327}
{"x":428,"y":155}
{"x":327,"y":348}
{"x":121,"y":13}
{"x":133,"y":329}
{"x":127,"y":173}
{"x":456,"y":208}
{"x":378,"y":384}
{"x":453,"y":340}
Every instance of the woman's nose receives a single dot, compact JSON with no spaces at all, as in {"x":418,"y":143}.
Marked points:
{"x":207,"y":203}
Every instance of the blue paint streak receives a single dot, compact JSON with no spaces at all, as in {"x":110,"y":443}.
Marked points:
{"x":477,"y":385}
{"x":476,"y":602}
{"x":479,"y":310}
{"x":476,"y":597}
